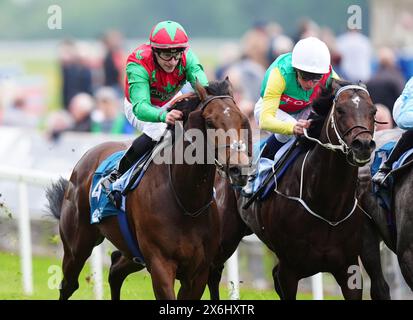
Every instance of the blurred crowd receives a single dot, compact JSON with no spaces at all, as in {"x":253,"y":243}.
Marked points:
{"x":384,"y":70}
{"x":91,"y":85}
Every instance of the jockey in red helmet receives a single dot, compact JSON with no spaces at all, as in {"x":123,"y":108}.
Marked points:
{"x":155,"y":74}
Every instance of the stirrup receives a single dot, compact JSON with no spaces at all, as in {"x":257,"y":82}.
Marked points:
{"x":380,"y":177}
{"x":248,"y":190}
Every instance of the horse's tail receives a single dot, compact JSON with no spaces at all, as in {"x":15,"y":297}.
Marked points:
{"x":55,"y":194}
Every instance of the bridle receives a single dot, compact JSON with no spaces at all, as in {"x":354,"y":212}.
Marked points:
{"x":238,"y":146}
{"x":342,"y":146}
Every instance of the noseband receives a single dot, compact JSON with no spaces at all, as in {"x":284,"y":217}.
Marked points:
{"x":342,"y":146}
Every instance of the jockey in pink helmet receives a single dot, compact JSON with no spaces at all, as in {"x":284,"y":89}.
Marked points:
{"x":155,"y":74}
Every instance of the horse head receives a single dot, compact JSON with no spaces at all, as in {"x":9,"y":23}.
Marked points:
{"x":225,"y":128}
{"x":350,"y":121}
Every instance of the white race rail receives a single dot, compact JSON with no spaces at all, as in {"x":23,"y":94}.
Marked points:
{"x":25,"y":177}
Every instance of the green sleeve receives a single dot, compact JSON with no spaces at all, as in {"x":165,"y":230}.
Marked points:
{"x":140,"y":96}
{"x":194,"y":70}
{"x":333,"y":75}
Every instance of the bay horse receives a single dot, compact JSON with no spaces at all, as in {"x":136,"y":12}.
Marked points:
{"x":172,"y":213}
{"x":398,"y":238}
{"x":311,"y":222}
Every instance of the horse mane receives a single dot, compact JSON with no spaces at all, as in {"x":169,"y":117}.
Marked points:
{"x":219,"y":88}
{"x":321,"y":107}
{"x":190,"y":102}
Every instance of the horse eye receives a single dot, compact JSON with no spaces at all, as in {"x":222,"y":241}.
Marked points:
{"x":209,"y":123}
{"x":341,"y":111}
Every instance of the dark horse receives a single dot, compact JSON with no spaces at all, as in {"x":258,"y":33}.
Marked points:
{"x":172,"y":213}
{"x":311,"y":222}
{"x":398,"y":239}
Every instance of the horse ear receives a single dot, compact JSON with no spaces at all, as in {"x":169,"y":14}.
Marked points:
{"x":200,"y":90}
{"x":361,"y":84}
{"x":229,"y":86}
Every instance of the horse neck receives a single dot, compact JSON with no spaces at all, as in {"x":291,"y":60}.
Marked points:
{"x":333,"y":183}
{"x":193,"y":183}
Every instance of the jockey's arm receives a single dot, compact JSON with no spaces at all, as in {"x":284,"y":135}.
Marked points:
{"x":139,"y":94}
{"x":403,"y":107}
{"x":271,"y":102}
{"x":194,"y":70}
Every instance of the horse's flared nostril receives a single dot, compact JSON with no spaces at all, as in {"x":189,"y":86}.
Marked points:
{"x":372,"y":145}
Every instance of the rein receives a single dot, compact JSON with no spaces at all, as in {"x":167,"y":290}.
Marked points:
{"x":236,"y":145}
{"x":306,"y":206}
{"x":342,"y":146}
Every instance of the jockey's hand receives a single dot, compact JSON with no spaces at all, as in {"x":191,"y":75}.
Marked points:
{"x":300,"y":125}
{"x":173,"y":116}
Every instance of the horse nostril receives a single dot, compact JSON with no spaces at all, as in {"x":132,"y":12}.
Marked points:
{"x":356,"y":144}
{"x":372,"y":144}
{"x":234,"y":171}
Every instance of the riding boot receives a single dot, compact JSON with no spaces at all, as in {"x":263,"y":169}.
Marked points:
{"x":272,"y":145}
{"x":405,"y":143}
{"x":139,"y":147}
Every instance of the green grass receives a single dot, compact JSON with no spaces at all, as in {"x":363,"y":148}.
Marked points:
{"x":137,"y":286}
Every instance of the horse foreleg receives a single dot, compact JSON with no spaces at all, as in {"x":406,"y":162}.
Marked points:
{"x":350,"y":281}
{"x":370,"y":257}
{"x":163,"y":274}
{"x":405,"y":257}
{"x":193,"y":289}
{"x":214,"y":278}
{"x":285,"y":282}
{"x":120,"y":268}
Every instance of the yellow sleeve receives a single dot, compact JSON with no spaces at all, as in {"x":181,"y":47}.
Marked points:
{"x":271,"y":101}
{"x":334,"y":75}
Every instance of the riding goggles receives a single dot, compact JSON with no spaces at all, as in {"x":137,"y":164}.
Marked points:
{"x":168,"y":55}
{"x":307,"y":76}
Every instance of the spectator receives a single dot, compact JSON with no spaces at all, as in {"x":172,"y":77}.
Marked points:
{"x":114,"y":62}
{"x":306,"y":28}
{"x":241,"y":97}
{"x":279,"y":45}
{"x":387,"y":83}
{"x":383,"y":115}
{"x":108,"y":116}
{"x":77,"y":119}
{"x":76,"y":76}
{"x":255,"y":46}
{"x":356,"y":54}
{"x":18,"y":114}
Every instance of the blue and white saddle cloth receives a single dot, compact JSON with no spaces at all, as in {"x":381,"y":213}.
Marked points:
{"x":100,"y":205}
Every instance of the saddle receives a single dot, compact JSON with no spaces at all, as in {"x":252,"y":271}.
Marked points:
{"x":278,"y":170}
